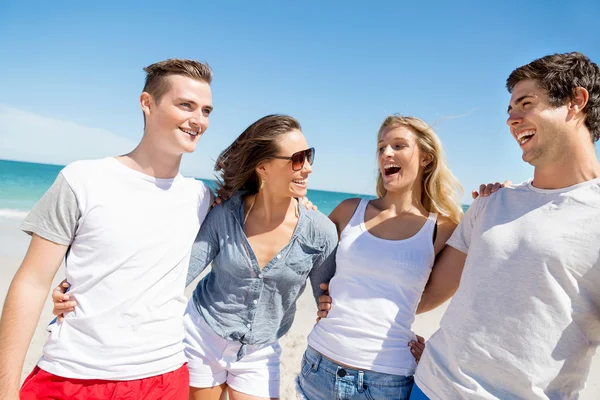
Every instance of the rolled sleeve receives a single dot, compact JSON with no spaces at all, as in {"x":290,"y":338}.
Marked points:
{"x":324,"y":268}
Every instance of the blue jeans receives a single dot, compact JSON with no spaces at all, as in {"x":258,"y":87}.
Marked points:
{"x":322,"y":379}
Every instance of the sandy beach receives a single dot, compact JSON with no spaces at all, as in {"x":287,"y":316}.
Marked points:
{"x":13,"y":245}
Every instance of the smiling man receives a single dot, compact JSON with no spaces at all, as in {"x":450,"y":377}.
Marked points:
{"x":126,"y":225}
{"x":525,"y":320}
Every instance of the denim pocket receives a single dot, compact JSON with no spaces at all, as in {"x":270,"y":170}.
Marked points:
{"x":310,"y":363}
{"x":305,"y":369}
{"x":393,"y":392}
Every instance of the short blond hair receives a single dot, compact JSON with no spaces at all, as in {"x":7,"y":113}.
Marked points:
{"x":157,"y":85}
{"x":440,"y":189}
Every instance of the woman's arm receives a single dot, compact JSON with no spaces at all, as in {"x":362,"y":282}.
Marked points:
{"x":206,"y":246}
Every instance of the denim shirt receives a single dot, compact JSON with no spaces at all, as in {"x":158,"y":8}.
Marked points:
{"x":238,"y":300}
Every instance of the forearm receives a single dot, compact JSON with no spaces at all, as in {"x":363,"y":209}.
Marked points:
{"x":444,"y":279}
{"x":432,"y":299}
{"x":20,"y":315}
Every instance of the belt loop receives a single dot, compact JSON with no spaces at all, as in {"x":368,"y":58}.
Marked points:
{"x":315,"y":365}
{"x":360,"y":383}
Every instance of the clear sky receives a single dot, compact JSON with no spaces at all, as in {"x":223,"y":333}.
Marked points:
{"x":71,"y":75}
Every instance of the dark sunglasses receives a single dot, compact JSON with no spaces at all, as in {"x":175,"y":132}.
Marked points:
{"x":299,"y":158}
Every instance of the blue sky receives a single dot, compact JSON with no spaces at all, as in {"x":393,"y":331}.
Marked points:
{"x":71,"y":75}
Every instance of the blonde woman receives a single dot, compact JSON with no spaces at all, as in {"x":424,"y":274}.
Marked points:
{"x":385,"y":256}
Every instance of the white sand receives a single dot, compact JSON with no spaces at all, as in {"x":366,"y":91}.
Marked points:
{"x":13,"y":245}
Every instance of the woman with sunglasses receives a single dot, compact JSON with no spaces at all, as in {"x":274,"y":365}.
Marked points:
{"x":385,"y":256}
{"x":262,"y":246}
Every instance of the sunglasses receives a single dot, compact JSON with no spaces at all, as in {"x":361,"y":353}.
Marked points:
{"x":298,"y":159}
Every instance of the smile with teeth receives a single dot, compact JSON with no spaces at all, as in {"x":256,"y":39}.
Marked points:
{"x":190,"y":132}
{"x":390,"y":169}
{"x":524,"y":136}
{"x":300,"y":181}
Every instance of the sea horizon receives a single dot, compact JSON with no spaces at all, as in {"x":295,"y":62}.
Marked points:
{"x":22,"y":184}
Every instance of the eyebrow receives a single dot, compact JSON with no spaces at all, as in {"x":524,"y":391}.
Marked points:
{"x":394,"y":140}
{"x":517,"y":101}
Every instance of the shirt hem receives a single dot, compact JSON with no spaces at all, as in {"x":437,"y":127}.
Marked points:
{"x":357,"y":365}
{"x":30,"y":229}
{"x":71,"y":374}
{"x":425,"y":389}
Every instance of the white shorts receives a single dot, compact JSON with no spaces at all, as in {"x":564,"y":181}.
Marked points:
{"x":212,"y":360}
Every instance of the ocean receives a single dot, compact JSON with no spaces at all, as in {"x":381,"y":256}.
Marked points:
{"x":22,"y":184}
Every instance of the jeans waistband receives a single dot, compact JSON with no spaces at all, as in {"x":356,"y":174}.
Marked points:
{"x":318,"y":361}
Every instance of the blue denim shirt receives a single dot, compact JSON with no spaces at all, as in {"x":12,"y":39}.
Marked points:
{"x":238,"y":300}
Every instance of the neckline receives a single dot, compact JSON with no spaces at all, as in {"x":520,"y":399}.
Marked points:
{"x":364,"y":229}
{"x":142,"y":175}
{"x":561,"y":190}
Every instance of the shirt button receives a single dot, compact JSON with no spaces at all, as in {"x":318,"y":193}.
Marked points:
{"x":278,"y":256}
{"x":260,"y":276}
{"x":255,"y":301}
{"x":248,"y":326}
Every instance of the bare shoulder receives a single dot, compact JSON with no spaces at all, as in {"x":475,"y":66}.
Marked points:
{"x":342,"y":214}
{"x":446,"y":228}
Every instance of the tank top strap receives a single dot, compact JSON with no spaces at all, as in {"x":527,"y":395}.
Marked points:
{"x":359,"y":214}
{"x":430,"y":224}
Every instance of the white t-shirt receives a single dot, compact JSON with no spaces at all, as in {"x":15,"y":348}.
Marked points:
{"x":525,"y":321}
{"x":130,"y":237}
{"x":376,"y":290}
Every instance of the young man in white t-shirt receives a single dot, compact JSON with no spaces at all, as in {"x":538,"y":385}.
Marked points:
{"x":525,"y":320}
{"x":124,"y":226}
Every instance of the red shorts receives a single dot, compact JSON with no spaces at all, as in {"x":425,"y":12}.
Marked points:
{"x":42,"y":385}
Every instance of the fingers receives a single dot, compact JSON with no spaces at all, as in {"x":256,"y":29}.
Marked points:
{"x":490,"y":188}
{"x":308,"y":204}
{"x":64,"y":307}
{"x":322,"y":314}
{"x":417,"y":348}
{"x":62,"y":301}
{"x":216,"y":201}
{"x":506,"y":183}
{"x":324,"y":286}
{"x":58,"y":295}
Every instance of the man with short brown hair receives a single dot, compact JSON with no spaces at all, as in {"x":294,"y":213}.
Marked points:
{"x":124,"y":226}
{"x":525,"y":321}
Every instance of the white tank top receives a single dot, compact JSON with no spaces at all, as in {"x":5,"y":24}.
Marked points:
{"x":376,"y":290}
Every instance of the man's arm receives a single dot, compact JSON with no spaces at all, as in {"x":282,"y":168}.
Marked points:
{"x":23,"y":307}
{"x":444,"y":279}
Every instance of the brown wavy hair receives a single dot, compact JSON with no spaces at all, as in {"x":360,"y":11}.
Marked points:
{"x":236,"y":165}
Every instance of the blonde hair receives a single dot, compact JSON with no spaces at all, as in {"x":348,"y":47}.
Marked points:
{"x":440,"y":190}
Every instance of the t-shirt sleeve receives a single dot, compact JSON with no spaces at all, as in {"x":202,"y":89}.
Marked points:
{"x":461,"y":238}
{"x":56,"y":215}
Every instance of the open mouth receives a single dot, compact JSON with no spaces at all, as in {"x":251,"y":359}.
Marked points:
{"x":525,"y":136}
{"x":190,"y":132}
{"x":300,"y":182}
{"x":391,"y":169}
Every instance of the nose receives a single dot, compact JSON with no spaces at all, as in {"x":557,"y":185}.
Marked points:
{"x":307,"y":168}
{"x":514,"y":119}
{"x":387,"y":151}
{"x":200,"y":122}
